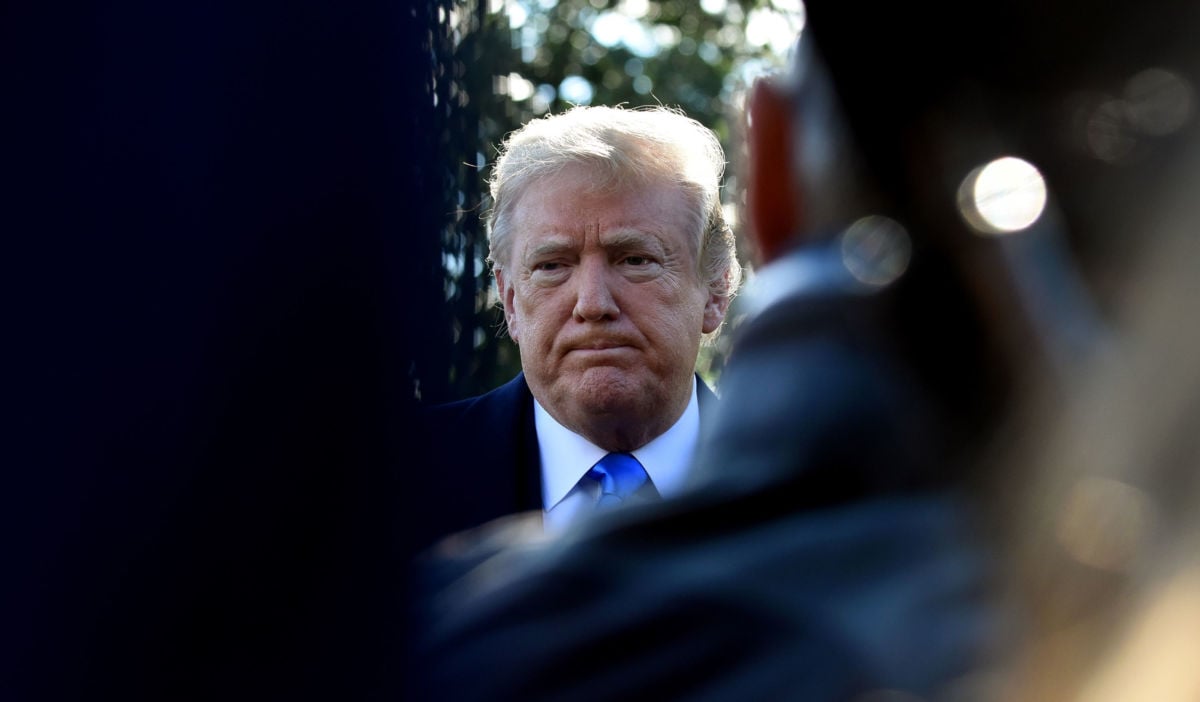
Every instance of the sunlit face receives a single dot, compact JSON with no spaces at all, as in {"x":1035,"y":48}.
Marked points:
{"x":602,"y":293}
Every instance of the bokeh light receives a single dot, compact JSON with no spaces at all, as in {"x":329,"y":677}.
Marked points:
{"x":517,"y":14}
{"x":876,"y":250}
{"x":1159,"y":101}
{"x":1155,"y":102}
{"x":518,"y":88}
{"x":617,"y":28}
{"x":636,"y":9}
{"x":1108,"y":138}
{"x":576,"y":90}
{"x":1104,"y":522}
{"x":543,"y":97}
{"x":1007,"y":195}
{"x":775,"y":29}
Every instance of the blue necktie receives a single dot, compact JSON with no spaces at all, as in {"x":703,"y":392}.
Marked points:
{"x":620,"y":476}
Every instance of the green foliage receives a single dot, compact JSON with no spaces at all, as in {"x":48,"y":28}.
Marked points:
{"x":686,"y":53}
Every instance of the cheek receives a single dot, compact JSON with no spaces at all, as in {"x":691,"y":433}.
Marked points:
{"x":676,"y":319}
{"x":535,"y":315}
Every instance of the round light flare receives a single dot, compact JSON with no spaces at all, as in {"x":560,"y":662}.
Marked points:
{"x":876,"y":250}
{"x":770,"y":27}
{"x":1160,"y":101}
{"x":576,"y":90}
{"x":1105,"y":523}
{"x":519,"y":88}
{"x":1005,"y":196}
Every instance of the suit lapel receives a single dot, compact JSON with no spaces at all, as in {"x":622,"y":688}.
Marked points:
{"x":529,"y":463}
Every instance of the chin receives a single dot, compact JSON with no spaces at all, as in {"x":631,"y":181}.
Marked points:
{"x":610,"y":390}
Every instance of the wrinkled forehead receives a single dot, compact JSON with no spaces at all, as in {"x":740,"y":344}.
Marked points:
{"x":574,"y":199}
{"x":590,"y":182}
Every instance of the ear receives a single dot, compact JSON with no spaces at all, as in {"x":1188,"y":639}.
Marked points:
{"x":772,"y":195}
{"x":715,"y":308}
{"x":510,"y":310}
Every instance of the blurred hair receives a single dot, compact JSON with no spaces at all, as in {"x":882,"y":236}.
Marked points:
{"x":836,"y":186}
{"x":622,"y":148}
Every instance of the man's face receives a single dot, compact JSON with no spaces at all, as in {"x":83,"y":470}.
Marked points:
{"x":602,"y":293}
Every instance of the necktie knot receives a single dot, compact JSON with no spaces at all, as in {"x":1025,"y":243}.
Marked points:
{"x":619,"y":476}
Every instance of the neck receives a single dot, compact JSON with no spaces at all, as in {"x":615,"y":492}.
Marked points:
{"x":623,"y":432}
{"x":621,"y":439}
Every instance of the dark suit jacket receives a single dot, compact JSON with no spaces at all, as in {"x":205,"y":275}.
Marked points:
{"x":822,"y":555}
{"x":481,"y":459}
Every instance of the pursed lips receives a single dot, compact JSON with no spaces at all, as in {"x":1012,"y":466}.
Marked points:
{"x":598,"y":345}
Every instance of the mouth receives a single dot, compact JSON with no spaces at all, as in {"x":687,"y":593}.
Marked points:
{"x":599,"y":346}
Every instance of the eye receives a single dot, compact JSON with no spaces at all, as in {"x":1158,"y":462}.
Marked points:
{"x":547,"y":266}
{"x":636,"y":260}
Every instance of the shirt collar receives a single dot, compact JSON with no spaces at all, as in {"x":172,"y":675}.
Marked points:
{"x":566,"y":456}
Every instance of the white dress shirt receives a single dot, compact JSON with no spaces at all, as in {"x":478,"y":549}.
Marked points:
{"x":567,"y":457}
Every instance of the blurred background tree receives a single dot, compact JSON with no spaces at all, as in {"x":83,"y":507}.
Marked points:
{"x":496,"y":64}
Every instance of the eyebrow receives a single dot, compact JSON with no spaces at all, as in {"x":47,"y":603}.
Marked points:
{"x":631,"y":239}
{"x":618,"y":240}
{"x":549,"y":248}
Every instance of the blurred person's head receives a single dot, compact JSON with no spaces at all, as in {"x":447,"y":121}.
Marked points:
{"x":893,"y":123}
{"x":612,"y":262}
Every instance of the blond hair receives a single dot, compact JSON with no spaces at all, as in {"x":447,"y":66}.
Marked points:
{"x":621,"y":147}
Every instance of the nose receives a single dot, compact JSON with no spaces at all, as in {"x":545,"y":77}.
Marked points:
{"x":594,"y":300}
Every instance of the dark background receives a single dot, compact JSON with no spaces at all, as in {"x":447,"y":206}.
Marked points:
{"x":215,"y":279}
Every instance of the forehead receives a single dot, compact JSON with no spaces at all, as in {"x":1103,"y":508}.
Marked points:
{"x":569,"y":204}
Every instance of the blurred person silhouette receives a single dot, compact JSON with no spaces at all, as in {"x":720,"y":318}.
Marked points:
{"x":613,"y":263}
{"x":846,"y":534}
